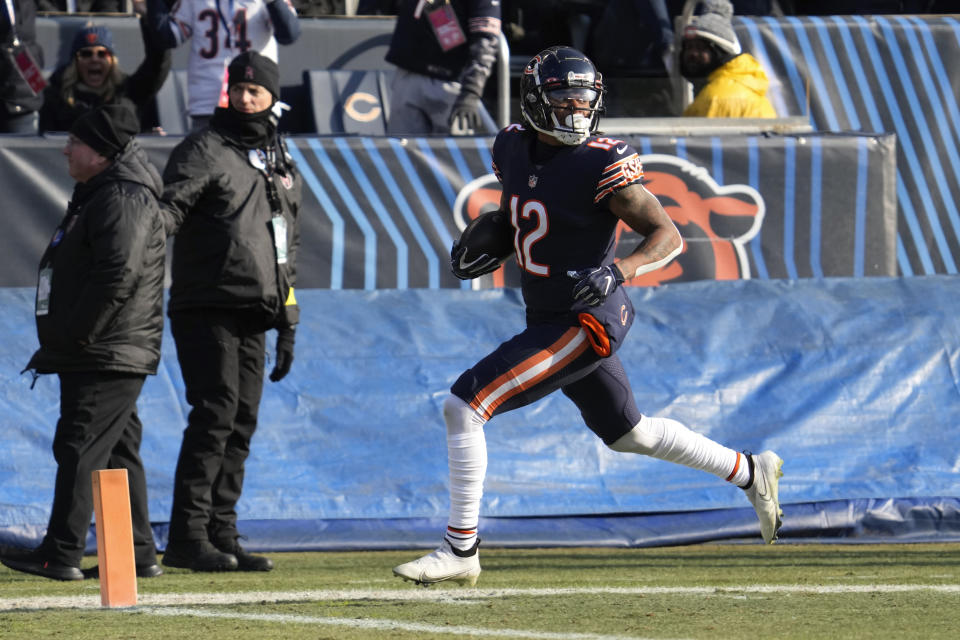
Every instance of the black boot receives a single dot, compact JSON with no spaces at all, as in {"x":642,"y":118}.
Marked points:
{"x":142,"y":570}
{"x":198,"y":555}
{"x":34,"y":561}
{"x":245,"y":561}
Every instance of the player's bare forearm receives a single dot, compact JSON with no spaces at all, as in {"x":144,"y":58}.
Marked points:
{"x":642,"y":212}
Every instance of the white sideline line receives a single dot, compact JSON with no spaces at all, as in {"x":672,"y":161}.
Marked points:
{"x":378,"y":624}
{"x":449,"y":595}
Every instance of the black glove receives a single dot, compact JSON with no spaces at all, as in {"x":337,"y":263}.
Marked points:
{"x":595,"y":284}
{"x":465,"y":115}
{"x":477,"y":267}
{"x":284,"y":354}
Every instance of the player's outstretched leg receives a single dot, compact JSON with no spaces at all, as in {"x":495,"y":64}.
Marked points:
{"x":763,"y":492}
{"x":444,"y":564}
{"x":758,"y":475}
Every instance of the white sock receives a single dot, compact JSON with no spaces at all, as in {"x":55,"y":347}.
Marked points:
{"x":467,"y":459}
{"x":669,"y":440}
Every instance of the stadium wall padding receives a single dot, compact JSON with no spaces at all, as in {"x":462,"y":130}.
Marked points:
{"x":853,"y":381}
{"x":382,"y":213}
{"x":880,"y":73}
{"x":853,"y":73}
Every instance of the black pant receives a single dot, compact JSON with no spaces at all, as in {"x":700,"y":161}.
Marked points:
{"x":221,"y":356}
{"x":98,"y":429}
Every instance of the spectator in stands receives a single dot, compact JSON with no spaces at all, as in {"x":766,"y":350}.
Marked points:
{"x":530,"y":25}
{"x":21,"y":90}
{"x":444,"y":53}
{"x":253,"y":25}
{"x":93,"y":77}
{"x":232,"y":195}
{"x":632,"y":36}
{"x":320,"y":8}
{"x":727,"y":82}
{"x":99,"y":319}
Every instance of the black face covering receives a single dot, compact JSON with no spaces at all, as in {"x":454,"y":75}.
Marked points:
{"x":249,"y":130}
{"x":696,"y":71}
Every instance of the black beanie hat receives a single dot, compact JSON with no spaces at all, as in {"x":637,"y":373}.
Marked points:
{"x":253,"y":67}
{"x":107,"y":129}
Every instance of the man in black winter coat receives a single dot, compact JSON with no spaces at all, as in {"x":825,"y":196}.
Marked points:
{"x":100,"y":320}
{"x":232,"y":196}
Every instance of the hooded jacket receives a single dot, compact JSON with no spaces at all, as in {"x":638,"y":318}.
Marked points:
{"x":736,"y":89}
{"x":105,"y":270}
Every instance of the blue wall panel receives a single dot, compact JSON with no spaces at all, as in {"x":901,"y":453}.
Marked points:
{"x":894,"y":74}
{"x":853,"y":381}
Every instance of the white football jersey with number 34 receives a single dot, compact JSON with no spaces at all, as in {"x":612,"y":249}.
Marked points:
{"x":219,"y":30}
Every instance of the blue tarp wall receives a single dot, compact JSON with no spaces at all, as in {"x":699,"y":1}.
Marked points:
{"x":853,"y":381}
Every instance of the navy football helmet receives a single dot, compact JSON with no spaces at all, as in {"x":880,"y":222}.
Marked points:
{"x":558,"y":87}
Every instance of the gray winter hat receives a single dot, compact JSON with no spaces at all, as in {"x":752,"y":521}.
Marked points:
{"x":714,"y":24}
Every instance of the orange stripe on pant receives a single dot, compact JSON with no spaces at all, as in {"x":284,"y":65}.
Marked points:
{"x":572,"y":344}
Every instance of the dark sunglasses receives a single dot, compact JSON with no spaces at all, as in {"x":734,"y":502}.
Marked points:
{"x":89,"y":53}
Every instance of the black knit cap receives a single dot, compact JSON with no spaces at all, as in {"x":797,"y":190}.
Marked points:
{"x":108,"y":128}
{"x":253,"y":67}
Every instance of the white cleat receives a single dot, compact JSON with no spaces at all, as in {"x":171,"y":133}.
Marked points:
{"x":442,"y":565}
{"x":764,"y":493}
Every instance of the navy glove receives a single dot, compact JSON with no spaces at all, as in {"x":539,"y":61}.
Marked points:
{"x":465,"y":116}
{"x":285,"y":338}
{"x":595,"y":284}
{"x":481,"y":265}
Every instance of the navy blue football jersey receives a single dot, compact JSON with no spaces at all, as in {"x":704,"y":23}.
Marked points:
{"x":559,"y":211}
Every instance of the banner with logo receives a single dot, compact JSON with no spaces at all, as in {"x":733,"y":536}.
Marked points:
{"x":382,"y":213}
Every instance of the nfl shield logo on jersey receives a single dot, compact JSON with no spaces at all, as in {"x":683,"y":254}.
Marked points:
{"x":532,"y":181}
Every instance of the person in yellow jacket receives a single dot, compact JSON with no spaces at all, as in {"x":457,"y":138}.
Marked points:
{"x":728,"y":83}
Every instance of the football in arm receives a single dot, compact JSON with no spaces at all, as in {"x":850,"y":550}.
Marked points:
{"x":490,"y":233}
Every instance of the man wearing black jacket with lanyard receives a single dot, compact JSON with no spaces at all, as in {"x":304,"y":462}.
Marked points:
{"x":232,"y":197}
{"x":99,"y":312}
{"x":445,"y":51}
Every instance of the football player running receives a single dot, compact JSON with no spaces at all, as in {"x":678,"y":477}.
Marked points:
{"x":565,"y":189}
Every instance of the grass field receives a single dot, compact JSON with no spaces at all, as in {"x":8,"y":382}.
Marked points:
{"x":710,"y":591}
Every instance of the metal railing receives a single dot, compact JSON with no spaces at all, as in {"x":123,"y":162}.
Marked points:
{"x":503,"y":83}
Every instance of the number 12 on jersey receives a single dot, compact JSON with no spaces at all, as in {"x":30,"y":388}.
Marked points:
{"x":537,"y":212}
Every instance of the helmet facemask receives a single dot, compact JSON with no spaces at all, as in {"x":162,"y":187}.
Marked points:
{"x":574,"y":113}
{"x":565,"y":106}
